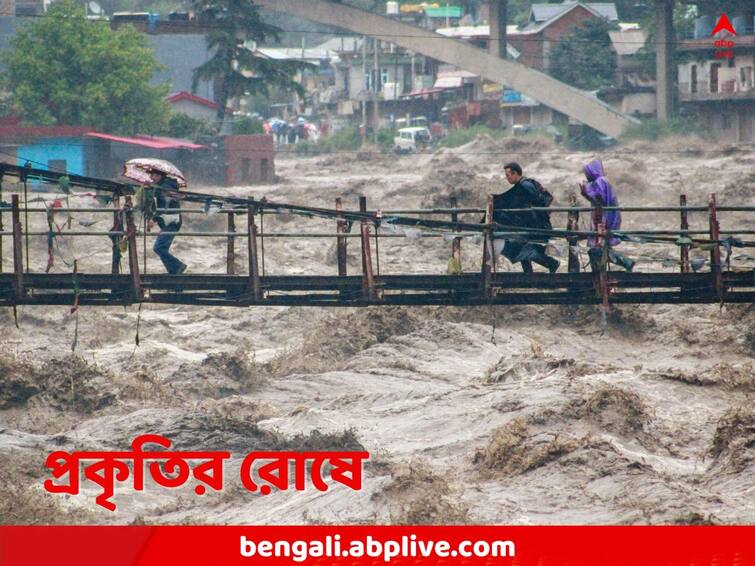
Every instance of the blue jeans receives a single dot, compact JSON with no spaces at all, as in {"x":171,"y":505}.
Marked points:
{"x":162,"y":249}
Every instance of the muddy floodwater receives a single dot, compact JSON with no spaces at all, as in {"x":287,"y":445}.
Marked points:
{"x":516,"y":415}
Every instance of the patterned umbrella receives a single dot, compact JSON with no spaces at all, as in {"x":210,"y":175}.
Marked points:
{"x":140,"y":169}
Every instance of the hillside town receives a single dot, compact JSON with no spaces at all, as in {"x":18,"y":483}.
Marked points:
{"x":384,"y":90}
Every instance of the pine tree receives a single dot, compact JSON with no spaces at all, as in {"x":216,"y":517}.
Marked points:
{"x":234,"y":23}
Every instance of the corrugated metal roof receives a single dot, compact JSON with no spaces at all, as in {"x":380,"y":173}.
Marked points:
{"x":183,"y":95}
{"x":340,"y":44}
{"x":460,"y":73}
{"x":152,"y":142}
{"x":543,"y":12}
{"x":481,"y":31}
{"x":627,"y":42}
{"x":293,"y":53}
{"x":449,"y":82}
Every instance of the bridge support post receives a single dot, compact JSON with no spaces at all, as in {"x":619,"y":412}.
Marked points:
{"x":230,"y":258}
{"x":342,"y":228}
{"x":684,"y":226}
{"x":18,"y":258}
{"x":115,"y":265}
{"x":603,"y":266}
{"x":456,"y":244}
{"x":254,"y":272}
{"x":488,"y":253}
{"x":25,"y":181}
{"x":133,"y":255}
{"x":368,"y":279}
{"x":1,"y":223}
{"x":715,"y":252}
{"x":572,"y":224}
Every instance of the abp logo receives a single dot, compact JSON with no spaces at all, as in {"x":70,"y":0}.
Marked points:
{"x":724,"y":48}
{"x":724,"y":24}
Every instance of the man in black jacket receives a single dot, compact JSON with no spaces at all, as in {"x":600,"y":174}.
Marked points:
{"x":169,"y":222}
{"x":530,"y":247}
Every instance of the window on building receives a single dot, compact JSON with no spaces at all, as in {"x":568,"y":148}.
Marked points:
{"x":745,"y":77}
{"x":384,"y":76}
{"x":693,"y":79}
{"x":714,"y":76}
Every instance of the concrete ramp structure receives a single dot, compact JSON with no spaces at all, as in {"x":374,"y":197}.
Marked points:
{"x":568,"y":100}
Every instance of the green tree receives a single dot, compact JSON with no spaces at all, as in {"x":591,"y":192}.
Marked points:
{"x":65,"y":69}
{"x":181,"y":125}
{"x":584,"y":58}
{"x":248,"y":125}
{"x":684,"y":25}
{"x":241,"y":72}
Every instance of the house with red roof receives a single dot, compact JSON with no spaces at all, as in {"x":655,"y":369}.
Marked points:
{"x":194,"y":106}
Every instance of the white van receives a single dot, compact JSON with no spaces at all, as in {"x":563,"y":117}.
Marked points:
{"x":410,"y":140}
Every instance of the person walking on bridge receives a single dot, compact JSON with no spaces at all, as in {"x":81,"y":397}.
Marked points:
{"x":169,"y":222}
{"x":600,"y":193}
{"x":524,"y":193}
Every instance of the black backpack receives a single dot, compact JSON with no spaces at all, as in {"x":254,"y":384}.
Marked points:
{"x":543,"y":216}
{"x":544,"y":193}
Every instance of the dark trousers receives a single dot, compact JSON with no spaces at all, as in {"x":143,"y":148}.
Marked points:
{"x":162,"y":248}
{"x":596,"y":254}
{"x":529,"y":253}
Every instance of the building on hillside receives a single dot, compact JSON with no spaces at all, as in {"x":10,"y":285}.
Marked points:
{"x":318,"y":81}
{"x":194,"y":106}
{"x":719,"y":91}
{"x":549,"y":23}
{"x":392,"y":75}
{"x":633,"y":90}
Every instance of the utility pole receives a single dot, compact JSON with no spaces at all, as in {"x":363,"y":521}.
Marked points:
{"x":378,"y":85}
{"x":664,"y":58}
{"x":365,"y":84}
{"x":498,"y":21}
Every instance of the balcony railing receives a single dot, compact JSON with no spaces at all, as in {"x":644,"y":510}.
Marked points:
{"x":726,"y":90}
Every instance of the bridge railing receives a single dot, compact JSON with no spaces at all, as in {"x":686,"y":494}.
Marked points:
{"x":372,"y":228}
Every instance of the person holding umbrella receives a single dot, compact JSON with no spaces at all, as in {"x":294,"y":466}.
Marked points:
{"x":169,"y":222}
{"x":164,"y":182}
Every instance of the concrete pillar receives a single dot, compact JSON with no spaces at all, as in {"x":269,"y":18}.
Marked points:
{"x":498,"y":19}
{"x":377,"y":88}
{"x":665,"y":72}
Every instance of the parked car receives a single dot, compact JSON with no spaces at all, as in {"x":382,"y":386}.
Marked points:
{"x":410,"y":140}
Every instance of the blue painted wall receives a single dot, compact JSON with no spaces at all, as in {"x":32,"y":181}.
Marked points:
{"x":70,"y":149}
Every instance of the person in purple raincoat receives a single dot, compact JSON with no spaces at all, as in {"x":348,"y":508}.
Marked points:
{"x":599,"y":192}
